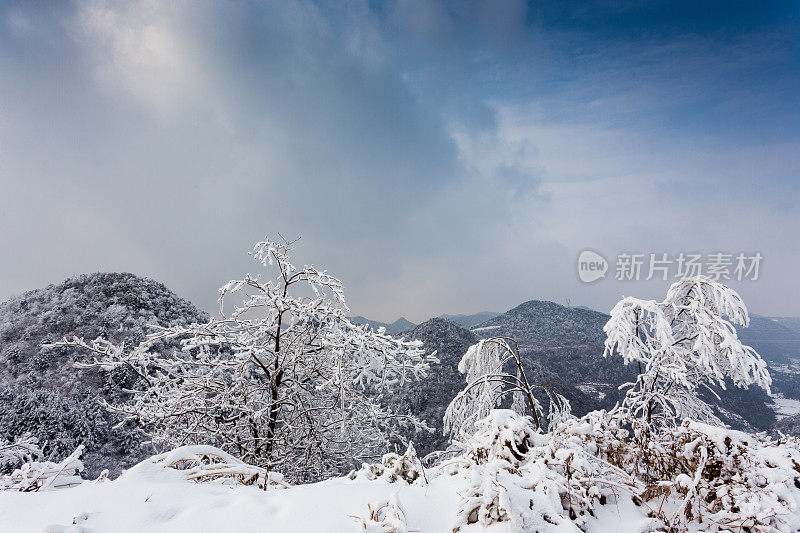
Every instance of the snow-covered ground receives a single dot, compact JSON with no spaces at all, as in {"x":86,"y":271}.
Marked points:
{"x":508,"y":478}
{"x":593,"y":389}
{"x":166,"y":502}
{"x":784,"y":407}
{"x":163,"y":501}
{"x":792,"y":367}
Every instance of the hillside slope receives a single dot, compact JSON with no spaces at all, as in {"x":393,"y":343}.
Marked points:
{"x":430,"y":397}
{"x":568,"y":341}
{"x":469,"y":321}
{"x":776,"y":339}
{"x":41,"y":392}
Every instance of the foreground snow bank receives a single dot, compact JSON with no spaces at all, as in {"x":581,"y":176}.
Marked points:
{"x":162,"y":500}
{"x":158,"y":495}
{"x":589,"y":474}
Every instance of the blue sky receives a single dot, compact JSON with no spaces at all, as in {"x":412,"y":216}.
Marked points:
{"x":438,"y":157}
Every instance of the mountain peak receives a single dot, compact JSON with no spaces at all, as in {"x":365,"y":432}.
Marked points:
{"x":398,"y":326}
{"x":403,"y":322}
{"x":541,"y":322}
{"x":118,"y":306}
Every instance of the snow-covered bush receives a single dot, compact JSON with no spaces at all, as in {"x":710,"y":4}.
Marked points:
{"x":286,"y":382}
{"x":696,"y":476}
{"x":502,"y":435}
{"x":488,"y":383}
{"x":393,"y":468}
{"x":385,"y":516}
{"x":690,"y":477}
{"x":686,"y":341}
{"x":46,"y":475}
{"x":721,"y":479}
{"x":207,"y":464}
{"x":534,"y":481}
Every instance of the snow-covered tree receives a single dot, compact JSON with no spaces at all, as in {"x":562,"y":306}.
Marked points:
{"x":680,"y":344}
{"x":285,"y":381}
{"x":18,"y":451}
{"x":488,"y":382}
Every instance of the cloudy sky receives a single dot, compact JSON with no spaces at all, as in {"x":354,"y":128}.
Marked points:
{"x":437,"y":157}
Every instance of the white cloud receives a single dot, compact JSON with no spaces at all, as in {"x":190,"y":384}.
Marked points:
{"x":137,"y":49}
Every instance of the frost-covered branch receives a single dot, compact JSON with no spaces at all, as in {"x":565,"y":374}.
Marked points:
{"x":284,"y":381}
{"x":684,"y":342}
{"x":488,"y":383}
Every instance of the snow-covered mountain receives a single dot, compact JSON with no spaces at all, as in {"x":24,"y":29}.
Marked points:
{"x":41,"y":392}
{"x":568,"y":342}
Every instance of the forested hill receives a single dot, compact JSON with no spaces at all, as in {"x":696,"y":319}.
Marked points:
{"x":546,"y":324}
{"x":430,"y":397}
{"x":41,"y":392}
{"x":568,"y":342}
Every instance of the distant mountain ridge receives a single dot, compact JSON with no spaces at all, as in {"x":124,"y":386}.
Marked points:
{"x":469,"y":321}
{"x":402,"y":324}
{"x":398,"y":326}
{"x":775,"y":338}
